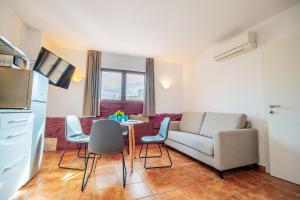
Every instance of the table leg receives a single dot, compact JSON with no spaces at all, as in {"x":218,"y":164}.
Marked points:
{"x":96,"y":161}
{"x":133,"y":142}
{"x":130,"y":147}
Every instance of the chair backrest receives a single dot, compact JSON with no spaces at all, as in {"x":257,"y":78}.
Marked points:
{"x":72,"y":127}
{"x":164,"y":128}
{"x":106,"y":137}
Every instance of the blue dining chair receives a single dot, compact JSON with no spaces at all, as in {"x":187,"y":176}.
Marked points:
{"x":158,"y":139}
{"x":74,"y":134}
{"x":106,"y":138}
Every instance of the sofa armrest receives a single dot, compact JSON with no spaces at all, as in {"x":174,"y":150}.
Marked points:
{"x":235,"y":148}
{"x":174,"y":126}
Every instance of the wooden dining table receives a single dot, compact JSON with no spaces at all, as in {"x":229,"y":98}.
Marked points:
{"x":131,"y":137}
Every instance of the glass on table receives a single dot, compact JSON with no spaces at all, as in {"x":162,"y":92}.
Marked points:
{"x":112,"y":117}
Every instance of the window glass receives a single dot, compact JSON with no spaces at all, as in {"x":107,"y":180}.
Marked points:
{"x":111,"y":84}
{"x":135,"y":87}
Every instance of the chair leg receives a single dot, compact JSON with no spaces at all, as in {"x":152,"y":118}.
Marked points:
{"x":84,"y":182}
{"x":124,"y":171}
{"x":62,"y":156}
{"x":165,"y":166}
{"x":169,"y":156}
{"x":79,"y":150}
{"x":85,"y":152}
{"x":84,"y":173}
{"x":150,"y":156}
{"x":96,"y":161}
{"x":146,"y":156}
{"x":141,"y":150}
{"x":159,"y":150}
{"x":128,"y":145}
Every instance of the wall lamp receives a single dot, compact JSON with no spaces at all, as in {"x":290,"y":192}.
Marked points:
{"x":77,"y":76}
{"x":166,"y":84}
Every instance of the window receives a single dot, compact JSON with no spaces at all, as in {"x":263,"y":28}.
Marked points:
{"x":121,"y":85}
{"x":135,"y":87}
{"x":111,"y":85}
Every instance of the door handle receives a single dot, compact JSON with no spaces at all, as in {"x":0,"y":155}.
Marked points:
{"x":15,"y":135}
{"x":17,"y":121}
{"x":12,"y":164}
{"x":274,"y":106}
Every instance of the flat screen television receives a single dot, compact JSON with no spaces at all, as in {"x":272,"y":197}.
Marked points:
{"x":55,"y":68}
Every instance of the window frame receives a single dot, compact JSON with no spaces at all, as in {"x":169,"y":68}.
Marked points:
{"x":123,"y":85}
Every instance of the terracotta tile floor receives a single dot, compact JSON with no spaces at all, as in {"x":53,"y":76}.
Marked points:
{"x":187,"y":179}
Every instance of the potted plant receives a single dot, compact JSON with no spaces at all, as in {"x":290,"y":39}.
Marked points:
{"x":119,"y":114}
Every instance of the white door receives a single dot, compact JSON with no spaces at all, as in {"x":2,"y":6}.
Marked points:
{"x":281,"y":79}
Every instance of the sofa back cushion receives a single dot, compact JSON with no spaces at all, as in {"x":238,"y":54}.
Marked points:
{"x":139,"y":117}
{"x":191,"y":122}
{"x":219,"y":121}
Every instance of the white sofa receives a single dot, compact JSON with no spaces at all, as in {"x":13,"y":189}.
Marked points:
{"x":217,"y":139}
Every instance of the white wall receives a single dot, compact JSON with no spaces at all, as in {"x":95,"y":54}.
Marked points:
{"x":11,"y":27}
{"x":31,"y":43}
{"x":62,"y":102}
{"x":18,"y":33}
{"x":168,"y":100}
{"x":235,"y":85}
{"x":123,"y":62}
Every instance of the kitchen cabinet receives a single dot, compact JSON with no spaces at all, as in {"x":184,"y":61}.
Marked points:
{"x":16,"y":130}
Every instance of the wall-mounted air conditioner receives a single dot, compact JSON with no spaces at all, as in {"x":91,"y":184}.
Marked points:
{"x":236,"y":46}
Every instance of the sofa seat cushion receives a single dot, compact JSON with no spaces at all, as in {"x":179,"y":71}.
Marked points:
{"x":194,"y":141}
{"x":214,"y":122}
{"x":191,"y":122}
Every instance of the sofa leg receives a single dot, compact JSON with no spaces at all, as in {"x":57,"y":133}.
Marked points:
{"x":254,"y":166}
{"x":221,"y":174}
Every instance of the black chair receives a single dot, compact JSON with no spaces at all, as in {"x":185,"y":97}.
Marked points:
{"x":158,"y":139}
{"x":106,"y":138}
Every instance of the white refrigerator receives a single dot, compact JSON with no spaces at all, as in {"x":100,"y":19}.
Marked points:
{"x":27,"y":90}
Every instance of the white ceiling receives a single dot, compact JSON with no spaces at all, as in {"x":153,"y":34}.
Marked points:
{"x":169,"y":30}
